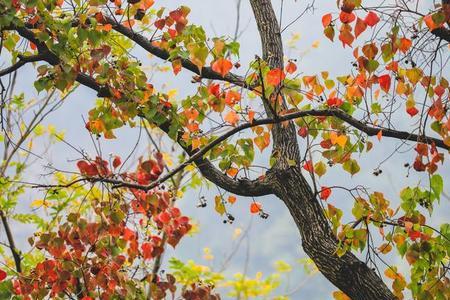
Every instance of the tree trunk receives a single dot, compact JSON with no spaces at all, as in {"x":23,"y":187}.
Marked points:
{"x":348,"y":273}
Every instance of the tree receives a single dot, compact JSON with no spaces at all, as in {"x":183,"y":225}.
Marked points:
{"x":310,"y":123}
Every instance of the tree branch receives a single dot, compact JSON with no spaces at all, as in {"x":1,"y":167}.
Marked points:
{"x":243,"y":187}
{"x":146,"y":44}
{"x":442,"y":33}
{"x":22,"y":61}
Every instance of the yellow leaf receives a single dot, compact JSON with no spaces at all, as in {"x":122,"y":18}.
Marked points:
{"x":38,"y":203}
{"x":338,"y":295}
{"x":341,"y":140}
{"x":414,"y":75}
{"x":167,"y":159}
{"x":219,"y":207}
{"x":401,"y":88}
{"x":385,"y":248}
{"x":196,"y":143}
{"x":172,"y":93}
{"x":262,"y":141}
{"x":390,"y":273}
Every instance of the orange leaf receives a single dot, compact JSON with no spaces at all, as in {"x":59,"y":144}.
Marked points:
{"x":346,"y":37}
{"x":429,"y":22}
{"x":251,"y":115}
{"x":275,"y":76}
{"x":326,"y":20}
{"x":232,"y":199}
{"x":232,"y":117}
{"x":232,"y":172}
{"x":385,"y":248}
{"x":128,"y":23}
{"x":222,"y":66}
{"x":379,"y":134}
{"x":291,"y":67}
{"x":262,"y":141}
{"x":255,"y":207}
{"x":347,"y":17}
{"x":191,"y":113}
{"x":107,"y":27}
{"x":360,"y":27}
{"x":232,"y":97}
{"x":405,"y":44}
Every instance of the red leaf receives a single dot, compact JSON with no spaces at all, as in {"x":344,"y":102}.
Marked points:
{"x":326,"y":144}
{"x":116,"y":162}
{"x":255,"y":207}
{"x":419,"y":166}
{"x":176,"y":15}
{"x":308,"y":166}
{"x":371,"y":19}
{"x":2,"y":275}
{"x":325,"y":193}
{"x":222,"y":66}
{"x":160,"y":24}
{"x":326,"y":20}
{"x":422,"y":149}
{"x":347,"y":17}
{"x":214,"y":89}
{"x":360,"y":27}
{"x":87,"y":168}
{"x":412,"y":111}
{"x":147,"y":250}
{"x":335,"y":102}
{"x":303,"y":131}
{"x":291,"y":67}
{"x":413,"y":235}
{"x":385,"y":82}
{"x":164,"y":217}
{"x":275,"y":76}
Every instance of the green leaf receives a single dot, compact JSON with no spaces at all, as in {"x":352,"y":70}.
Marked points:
{"x":372,"y":65}
{"x":437,"y":185}
{"x":351,"y":166}
{"x":320,"y":168}
{"x":376,"y":108}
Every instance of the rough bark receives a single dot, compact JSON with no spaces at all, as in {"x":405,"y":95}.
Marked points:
{"x":347,"y":273}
